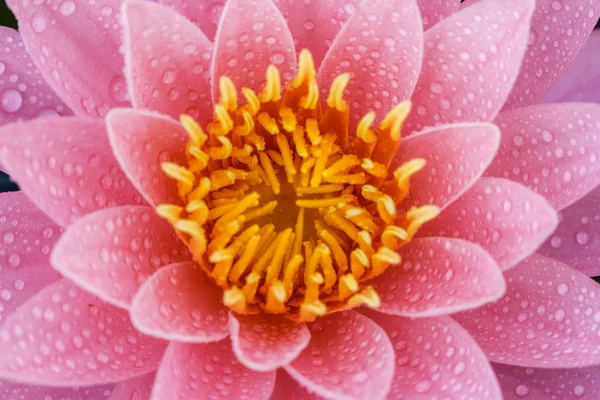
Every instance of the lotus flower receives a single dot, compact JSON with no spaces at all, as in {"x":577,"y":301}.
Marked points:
{"x":316,"y":199}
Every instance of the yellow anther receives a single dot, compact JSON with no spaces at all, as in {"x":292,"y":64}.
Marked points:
{"x":306,"y":69}
{"x":195,"y":132}
{"x":358,"y":263}
{"x":249,"y":289}
{"x":242,"y":263}
{"x":224,"y":119}
{"x":416,"y":217}
{"x":223,"y":152}
{"x":271,"y":176}
{"x":367,"y":297}
{"x":341,"y":223}
{"x":275,"y":156}
{"x":276,"y":263}
{"x":328,"y":270}
{"x":312,"y":130}
{"x":272,"y":89}
{"x":252,"y":101}
{"x":220,"y":256}
{"x":343,"y":165}
{"x":287,"y":156}
{"x":276,"y":298}
{"x":339,"y":255}
{"x":393,"y":237}
{"x":310,"y":101}
{"x":365,"y":243}
{"x":290,"y":273}
{"x":200,"y":161}
{"x":382,"y":259}
{"x":351,"y":179}
{"x":267,"y":256}
{"x":307,"y":164}
{"x":299,"y":142}
{"x":324,"y":203}
{"x":177,"y":172}
{"x":347,"y":287}
{"x":256,"y":140}
{"x":395,"y":118}
{"x":197,"y":210}
{"x":363,"y":131}
{"x":336,"y":92}
{"x":321,"y":164}
{"x":220,"y":179}
{"x":261,"y":211}
{"x":201,"y":190}
{"x":242,"y":239}
{"x":313,"y":282}
{"x":310,"y":311}
{"x":288,"y":119}
{"x":228,"y":93}
{"x":403,"y":173}
{"x":170,"y":212}
{"x":234,"y":299}
{"x":332,"y":188}
{"x":298,"y":232}
{"x":387,"y":209}
{"x":247,"y":127}
{"x":371,"y":193}
{"x":376,"y":169}
{"x":238,"y":209}
{"x":270,"y":125}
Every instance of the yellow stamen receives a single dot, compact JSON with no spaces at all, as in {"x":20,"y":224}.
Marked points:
{"x":276,"y":298}
{"x":228,"y":93}
{"x":170,"y":212}
{"x":195,"y":132}
{"x":271,"y":176}
{"x":336,"y":92}
{"x":306,"y":69}
{"x":272,"y":90}
{"x":252,"y":101}
{"x":320,"y":203}
{"x":242,"y":264}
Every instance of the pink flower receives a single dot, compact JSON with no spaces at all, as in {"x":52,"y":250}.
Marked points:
{"x":216,"y":242}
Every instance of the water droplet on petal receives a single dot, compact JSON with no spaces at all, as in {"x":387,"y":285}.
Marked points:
{"x":67,"y":8}
{"x":38,"y":23}
{"x":11,"y":100}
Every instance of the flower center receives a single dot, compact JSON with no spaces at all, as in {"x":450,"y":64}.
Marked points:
{"x":282,"y":209}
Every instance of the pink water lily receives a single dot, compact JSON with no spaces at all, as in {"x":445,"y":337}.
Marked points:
{"x":318,"y":199}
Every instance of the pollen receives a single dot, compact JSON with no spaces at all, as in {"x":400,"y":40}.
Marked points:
{"x":285,"y":209}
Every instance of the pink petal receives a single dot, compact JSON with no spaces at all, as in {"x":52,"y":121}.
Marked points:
{"x":576,"y":242}
{"x":439,"y":276}
{"x":76,"y":48}
{"x":551,"y":148}
{"x":558,"y":32}
{"x":167,"y":60}
{"x":26,"y":238}
{"x":382,"y":76}
{"x":266,"y":342}
{"x":72,"y":174}
{"x":532,"y":384}
{"x":470,"y":64}
{"x":456,"y":155}
{"x":178,"y":303}
{"x":141,"y":141}
{"x":315,"y":24}
{"x":433,"y":11}
{"x":349,"y":357}
{"x":204,"y":14}
{"x":134,"y":389}
{"x":112,"y":252}
{"x":20,"y":391}
{"x":505,"y":218}
{"x":67,"y":337}
{"x":580,"y":80}
{"x":287,"y":388}
{"x":437,"y":358}
{"x":253,"y":36}
{"x":548,"y":318}
{"x":23,"y":92}
{"x":208,"y":371}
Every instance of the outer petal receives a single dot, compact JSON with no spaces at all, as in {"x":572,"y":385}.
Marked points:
{"x":315,"y":24}
{"x":134,"y":389}
{"x":203,"y":13}
{"x":470,"y":64}
{"x":208,"y":371}
{"x":428,"y":364}
{"x":382,"y":46}
{"x":23,"y":391}
{"x":23,"y":92}
{"x":508,"y":220}
{"x":76,"y":47}
{"x":65,"y":166}
{"x":141,"y":141}
{"x":266,"y":342}
{"x":456,"y":155}
{"x":552,"y":148}
{"x":253,"y":35}
{"x":433,"y":11}
{"x":581,"y":79}
{"x":532,"y":384}
{"x":439,"y":276}
{"x":349,"y":357}
{"x":558,"y":32}
{"x":112,"y":252}
{"x":179,"y":304}
{"x":576,"y":242}
{"x":167,"y":60}
{"x":287,"y":388}
{"x":66,"y":337}
{"x":26,"y":238}
{"x":549,"y":318}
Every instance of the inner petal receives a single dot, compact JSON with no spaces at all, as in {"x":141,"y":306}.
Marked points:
{"x":282,"y":208}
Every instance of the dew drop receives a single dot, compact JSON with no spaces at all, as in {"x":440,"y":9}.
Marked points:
{"x":38,"y":23}
{"x":277,"y":58}
{"x":11,"y":100}
{"x":582,"y":238}
{"x":118,"y":88}
{"x":562,"y":289}
{"x":169,"y":76}
{"x":522,"y":391}
{"x":67,"y":8}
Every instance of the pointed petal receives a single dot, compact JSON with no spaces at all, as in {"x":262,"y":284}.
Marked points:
{"x":266,"y":342}
{"x":505,"y":218}
{"x":428,"y":364}
{"x":532,"y":383}
{"x":134,"y":389}
{"x":580,"y":80}
{"x":178,"y":304}
{"x":208,"y":371}
{"x":576,"y":242}
{"x":382,"y":76}
{"x":349,"y":357}
{"x":76,"y":48}
{"x":315,"y":24}
{"x":26,"y":239}
{"x":67,"y":337}
{"x":558,"y":32}
{"x":204,"y":14}
{"x":548,"y":318}
{"x":22,"y":391}
{"x":141,"y":141}
{"x":167,"y":69}
{"x":72,"y":174}
{"x":23,"y":92}
{"x":470,"y":64}
{"x":456,"y":155}
{"x":439,"y":276}
{"x":433,"y":11}
{"x":552,"y":149}
{"x":112,"y":252}
{"x":287,"y":388}
{"x":253,"y":35}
